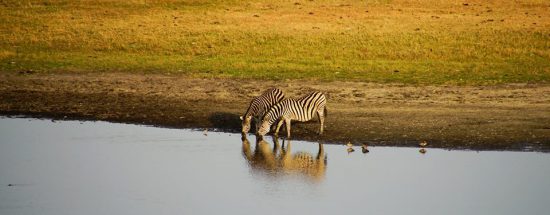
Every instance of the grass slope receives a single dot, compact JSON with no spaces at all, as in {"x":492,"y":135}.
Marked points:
{"x":419,"y":42}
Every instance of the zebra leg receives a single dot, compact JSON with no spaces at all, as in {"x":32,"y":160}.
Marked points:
{"x":258,"y":124}
{"x":279,"y":126}
{"x":321,"y":115}
{"x":287,"y":121}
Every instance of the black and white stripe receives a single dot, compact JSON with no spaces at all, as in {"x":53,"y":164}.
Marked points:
{"x":259,"y":106}
{"x":303,"y":109}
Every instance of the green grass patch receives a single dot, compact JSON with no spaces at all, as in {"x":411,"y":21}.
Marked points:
{"x":425,"y":42}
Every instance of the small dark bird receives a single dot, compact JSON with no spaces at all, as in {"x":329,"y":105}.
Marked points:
{"x":364,"y":148}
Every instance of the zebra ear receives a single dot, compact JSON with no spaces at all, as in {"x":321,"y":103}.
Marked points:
{"x":241,"y":117}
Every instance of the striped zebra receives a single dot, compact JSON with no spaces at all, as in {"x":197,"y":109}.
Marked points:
{"x":302,"y":110}
{"x":259,"y":106}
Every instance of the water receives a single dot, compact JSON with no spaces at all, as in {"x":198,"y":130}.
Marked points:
{"x":71,"y":167}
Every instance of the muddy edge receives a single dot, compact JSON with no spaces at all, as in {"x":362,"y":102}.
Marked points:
{"x":506,"y":117}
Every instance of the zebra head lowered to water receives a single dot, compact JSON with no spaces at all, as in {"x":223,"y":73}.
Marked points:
{"x":303,"y":109}
{"x":259,"y":106}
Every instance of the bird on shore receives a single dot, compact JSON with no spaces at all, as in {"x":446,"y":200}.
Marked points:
{"x":364,"y":148}
{"x":423,"y":144}
{"x":350,"y":147}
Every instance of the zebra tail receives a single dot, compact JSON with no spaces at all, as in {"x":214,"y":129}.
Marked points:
{"x":325,"y":111}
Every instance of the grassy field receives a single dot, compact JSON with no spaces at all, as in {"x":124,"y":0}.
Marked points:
{"x":466,"y":42}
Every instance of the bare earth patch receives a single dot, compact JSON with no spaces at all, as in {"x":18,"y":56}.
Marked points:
{"x":510,"y":117}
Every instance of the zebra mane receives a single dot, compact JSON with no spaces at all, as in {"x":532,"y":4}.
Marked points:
{"x":248,"y":111}
{"x":257,"y":102}
{"x":276,"y":111}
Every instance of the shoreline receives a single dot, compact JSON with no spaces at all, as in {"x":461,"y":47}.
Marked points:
{"x":508,"y":117}
{"x":518,"y":147}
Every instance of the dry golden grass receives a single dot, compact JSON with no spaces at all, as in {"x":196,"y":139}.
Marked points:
{"x":427,"y":41}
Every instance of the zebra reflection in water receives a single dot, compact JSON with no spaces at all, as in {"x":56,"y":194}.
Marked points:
{"x":277,"y":161}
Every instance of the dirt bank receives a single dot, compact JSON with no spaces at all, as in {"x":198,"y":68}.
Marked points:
{"x":511,"y":117}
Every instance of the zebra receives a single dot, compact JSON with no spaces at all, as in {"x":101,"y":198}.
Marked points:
{"x":259,"y":106}
{"x":302,"y":110}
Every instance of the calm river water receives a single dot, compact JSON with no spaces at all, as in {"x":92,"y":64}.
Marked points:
{"x":72,"y":167}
